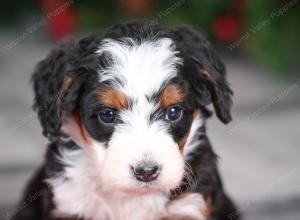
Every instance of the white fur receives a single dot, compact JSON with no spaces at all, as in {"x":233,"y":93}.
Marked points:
{"x":78,"y":191}
{"x":136,"y":140}
{"x":142,"y":67}
{"x":81,"y":194}
{"x":100,"y":182}
{"x":191,"y":143}
{"x":191,"y":205}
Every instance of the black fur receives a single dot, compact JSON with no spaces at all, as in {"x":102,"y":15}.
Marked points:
{"x":78,"y":62}
{"x":197,"y":50}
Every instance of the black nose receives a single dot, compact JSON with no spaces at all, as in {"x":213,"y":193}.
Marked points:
{"x":146,"y":172}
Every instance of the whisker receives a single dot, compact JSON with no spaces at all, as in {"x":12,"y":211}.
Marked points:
{"x":191,"y":181}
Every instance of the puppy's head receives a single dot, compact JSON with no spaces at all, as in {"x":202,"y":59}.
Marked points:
{"x":132,"y":97}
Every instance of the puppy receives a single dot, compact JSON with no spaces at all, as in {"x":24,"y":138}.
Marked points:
{"x":125,"y":113}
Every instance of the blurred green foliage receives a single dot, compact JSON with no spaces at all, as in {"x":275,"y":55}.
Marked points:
{"x":277,"y":43}
{"x":273,"y":39}
{"x":14,"y":12}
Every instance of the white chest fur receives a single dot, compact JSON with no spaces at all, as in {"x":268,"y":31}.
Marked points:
{"x":78,"y":192}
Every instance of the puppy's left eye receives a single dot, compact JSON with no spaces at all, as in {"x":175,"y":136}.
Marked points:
{"x":174,"y":113}
{"x":107,"y":115}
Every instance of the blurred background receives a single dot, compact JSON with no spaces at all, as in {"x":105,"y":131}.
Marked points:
{"x":259,"y":42}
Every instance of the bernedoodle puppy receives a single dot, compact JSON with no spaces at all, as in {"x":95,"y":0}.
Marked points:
{"x":125,"y":111}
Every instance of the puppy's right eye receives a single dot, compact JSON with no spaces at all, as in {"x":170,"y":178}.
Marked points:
{"x":107,"y":115}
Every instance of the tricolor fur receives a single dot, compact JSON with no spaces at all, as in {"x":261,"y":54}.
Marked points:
{"x":125,"y":113}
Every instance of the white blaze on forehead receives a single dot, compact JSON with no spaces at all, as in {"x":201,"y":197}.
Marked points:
{"x":141,"y":67}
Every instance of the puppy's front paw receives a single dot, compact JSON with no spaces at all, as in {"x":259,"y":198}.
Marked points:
{"x":189,"y":206}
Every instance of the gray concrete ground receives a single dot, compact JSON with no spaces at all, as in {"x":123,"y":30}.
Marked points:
{"x":259,"y":152}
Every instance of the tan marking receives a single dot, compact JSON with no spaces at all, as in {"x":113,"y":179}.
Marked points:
{"x":209,"y":207}
{"x":195,"y":113}
{"x":206,"y":75}
{"x":171,"y":95}
{"x":67,"y":84}
{"x":197,"y":165}
{"x":82,"y":130}
{"x":181,"y":143}
{"x":113,"y":98}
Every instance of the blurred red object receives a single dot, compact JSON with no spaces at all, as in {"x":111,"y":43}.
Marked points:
{"x":137,"y":6}
{"x":225,"y":28}
{"x":60,"y":17}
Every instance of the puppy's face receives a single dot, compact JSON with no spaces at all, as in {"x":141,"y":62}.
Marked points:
{"x":136,"y":102}
{"x":138,"y":117}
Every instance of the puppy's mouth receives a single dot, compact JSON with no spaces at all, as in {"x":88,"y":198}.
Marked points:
{"x":144,"y":190}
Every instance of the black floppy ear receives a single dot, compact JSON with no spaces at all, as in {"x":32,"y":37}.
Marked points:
{"x":205,"y":71}
{"x":56,"y":89}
